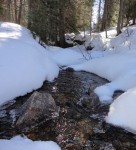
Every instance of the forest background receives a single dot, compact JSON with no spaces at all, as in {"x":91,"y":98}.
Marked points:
{"x":51,"y":19}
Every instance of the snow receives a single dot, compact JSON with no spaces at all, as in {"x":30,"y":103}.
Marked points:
{"x":69,"y":56}
{"x":116,"y":62}
{"x":125,"y":41}
{"x":20,"y":143}
{"x":24,"y":64}
{"x":120,"y":73}
{"x":122,"y":111}
{"x":66,"y":57}
{"x":115,"y":65}
{"x":96,"y":41}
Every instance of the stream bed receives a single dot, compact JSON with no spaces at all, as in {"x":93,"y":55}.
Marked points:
{"x":80,"y":124}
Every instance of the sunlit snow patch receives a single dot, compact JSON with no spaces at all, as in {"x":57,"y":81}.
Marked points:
{"x":24,"y":65}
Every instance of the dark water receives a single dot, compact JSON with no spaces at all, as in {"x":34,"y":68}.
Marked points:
{"x":80,"y":125}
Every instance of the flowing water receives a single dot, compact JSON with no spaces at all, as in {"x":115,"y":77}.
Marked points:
{"x":80,"y":125}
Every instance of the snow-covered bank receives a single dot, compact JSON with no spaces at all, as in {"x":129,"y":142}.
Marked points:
{"x":123,"y":111}
{"x":113,"y":59}
{"x":24,"y":65}
{"x":118,"y":68}
{"x":64,"y":57}
{"x":19,"y":143}
{"x":117,"y":64}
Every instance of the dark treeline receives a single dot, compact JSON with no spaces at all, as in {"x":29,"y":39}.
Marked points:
{"x":51,"y":19}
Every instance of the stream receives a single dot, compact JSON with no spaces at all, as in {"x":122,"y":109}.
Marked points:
{"x":80,"y":124}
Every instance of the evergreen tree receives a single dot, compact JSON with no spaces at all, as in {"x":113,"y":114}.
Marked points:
{"x":130,"y":11}
{"x":51,"y":19}
{"x":110,"y":14}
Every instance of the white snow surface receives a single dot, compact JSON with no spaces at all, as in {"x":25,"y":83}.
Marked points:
{"x":119,"y":68}
{"x":117,"y":64}
{"x":24,"y":64}
{"x":68,"y":56}
{"x":20,"y":143}
{"x":123,"y":111}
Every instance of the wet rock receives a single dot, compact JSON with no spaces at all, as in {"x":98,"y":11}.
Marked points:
{"x":89,"y":102}
{"x":89,"y":48}
{"x":70,"y":69}
{"x":101,"y":145}
{"x":39,"y":107}
{"x":99,"y":128}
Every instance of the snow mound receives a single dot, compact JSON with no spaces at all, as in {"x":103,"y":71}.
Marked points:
{"x":72,"y":55}
{"x":119,"y":68}
{"x":114,"y":59}
{"x":97,"y":42}
{"x":66,"y":57}
{"x":117,"y":64}
{"x":19,"y":143}
{"x":125,"y":41}
{"x":122,"y":111}
{"x":24,"y":65}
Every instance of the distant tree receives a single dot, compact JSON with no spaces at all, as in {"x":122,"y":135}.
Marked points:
{"x":20,"y":11}
{"x":105,"y":18}
{"x":1,"y":8}
{"x":130,"y":11}
{"x":134,"y":12}
{"x":120,"y":17}
{"x":50,"y":19}
{"x":112,"y":8}
{"x":99,"y":16}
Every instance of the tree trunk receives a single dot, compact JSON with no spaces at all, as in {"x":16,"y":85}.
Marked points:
{"x":20,"y":12}
{"x":8,"y":10}
{"x":120,"y":18}
{"x":15,"y":10}
{"x":99,"y":15}
{"x":134,"y":13}
{"x":105,"y":16}
{"x":91,"y":19}
{"x":61,"y":24}
{"x":29,"y":13}
{"x":134,"y":20}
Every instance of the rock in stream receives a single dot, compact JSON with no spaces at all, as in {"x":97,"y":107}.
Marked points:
{"x":40,"y":106}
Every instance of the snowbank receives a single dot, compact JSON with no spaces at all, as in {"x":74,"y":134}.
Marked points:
{"x":117,"y":64}
{"x":19,"y":143}
{"x":118,"y":68}
{"x":67,"y":56}
{"x":99,"y":42}
{"x":125,"y":41}
{"x":24,"y":65}
{"x":123,"y":111}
